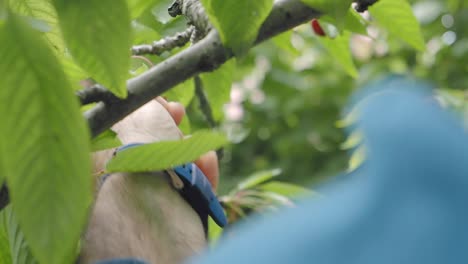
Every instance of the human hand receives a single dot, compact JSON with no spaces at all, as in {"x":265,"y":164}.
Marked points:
{"x":157,"y":120}
{"x":140,"y":215}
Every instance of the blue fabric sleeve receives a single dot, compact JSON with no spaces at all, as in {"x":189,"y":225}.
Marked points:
{"x":407,"y":204}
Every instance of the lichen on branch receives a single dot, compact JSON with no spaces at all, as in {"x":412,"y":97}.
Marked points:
{"x":194,"y":12}
{"x":198,"y":22}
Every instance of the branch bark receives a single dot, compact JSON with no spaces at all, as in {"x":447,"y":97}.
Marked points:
{"x":206,"y":55}
{"x":95,"y":93}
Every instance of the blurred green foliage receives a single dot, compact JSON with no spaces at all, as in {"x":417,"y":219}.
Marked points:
{"x":305,"y":91}
{"x":290,"y":92}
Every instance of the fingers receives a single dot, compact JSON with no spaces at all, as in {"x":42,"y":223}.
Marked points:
{"x":208,"y":163}
{"x":176,"y":110}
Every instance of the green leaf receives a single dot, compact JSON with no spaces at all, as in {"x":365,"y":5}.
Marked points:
{"x":182,"y":93}
{"x":276,"y":199}
{"x":19,"y":251}
{"x":106,"y":140}
{"x":46,"y":157}
{"x":397,"y":17}
{"x":350,"y":118}
{"x":286,"y":189}
{"x":238,"y":21}
{"x":3,"y":11}
{"x":353,"y":140}
{"x":337,"y":9}
{"x":137,"y":7}
{"x":214,"y":232}
{"x":41,"y":10}
{"x":339,"y":49}
{"x":156,"y":16}
{"x":455,"y":99}
{"x":357,"y":158}
{"x":355,"y":23}
{"x":139,"y":66}
{"x":166,"y":154}
{"x":284,"y":43}
{"x":142,"y":34}
{"x":217,"y":87}
{"x":98,"y":35}
{"x":74,"y":73}
{"x":258,"y":178}
{"x":5,"y":255}
{"x":184,"y":125}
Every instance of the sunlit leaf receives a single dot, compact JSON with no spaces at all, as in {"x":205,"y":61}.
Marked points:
{"x":98,"y":35}
{"x":355,"y":23}
{"x":339,"y":49}
{"x":106,"y":140}
{"x":74,"y":73}
{"x":276,"y":199}
{"x":19,"y":251}
{"x":217,"y":86}
{"x":182,"y":93}
{"x":5,"y":255}
{"x":349,"y":119}
{"x":286,"y":189}
{"x":337,"y":9}
{"x":397,"y":17}
{"x":143,"y":34}
{"x":238,"y":21}
{"x":357,"y":158}
{"x":141,"y":68}
{"x":184,"y":125}
{"x":258,"y":178}
{"x":214,"y":232}
{"x":455,"y":99}
{"x":353,"y":140}
{"x":41,"y":11}
{"x":137,"y":7}
{"x":283,"y":42}
{"x":166,"y":154}
{"x":46,"y":157}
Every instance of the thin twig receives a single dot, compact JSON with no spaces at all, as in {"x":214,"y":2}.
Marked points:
{"x":143,"y":58}
{"x":4,"y":196}
{"x":363,"y":5}
{"x":165,"y":44}
{"x":205,"y":106}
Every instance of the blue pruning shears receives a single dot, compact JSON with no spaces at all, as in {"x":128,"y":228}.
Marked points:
{"x":196,"y":189}
{"x":194,"y":178}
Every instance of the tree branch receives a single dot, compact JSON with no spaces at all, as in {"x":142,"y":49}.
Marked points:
{"x":362,"y":5}
{"x":206,"y":55}
{"x":95,"y":93}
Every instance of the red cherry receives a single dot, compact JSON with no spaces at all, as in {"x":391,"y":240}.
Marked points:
{"x":317,"y":28}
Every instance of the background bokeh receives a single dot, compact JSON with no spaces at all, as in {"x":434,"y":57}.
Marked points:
{"x":290,"y":94}
{"x":287,"y":94}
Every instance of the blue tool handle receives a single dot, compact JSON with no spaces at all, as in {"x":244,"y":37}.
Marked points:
{"x":191,"y":174}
